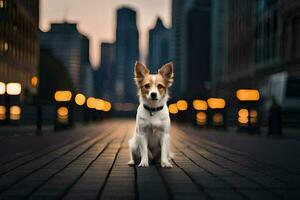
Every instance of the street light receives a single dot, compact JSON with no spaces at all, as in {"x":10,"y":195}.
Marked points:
{"x":247,"y":115}
{"x":64,"y":111}
{"x":216,"y":103}
{"x":107,"y":106}
{"x":182,"y":105}
{"x":2,"y":112}
{"x":13,"y":88}
{"x":80,"y":99}
{"x":247,"y":95}
{"x":2,"y":88}
{"x":217,"y":112}
{"x":91,"y":103}
{"x":15,"y":113}
{"x":34,"y":81}
{"x":173,"y":109}
{"x":200,"y":104}
{"x":63,"y":96}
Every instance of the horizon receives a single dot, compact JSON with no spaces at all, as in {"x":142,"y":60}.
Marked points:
{"x":87,"y":20}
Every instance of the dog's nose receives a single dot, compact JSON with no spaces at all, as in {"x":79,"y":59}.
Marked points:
{"x":153,"y":95}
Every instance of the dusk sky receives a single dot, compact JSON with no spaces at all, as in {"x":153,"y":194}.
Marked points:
{"x":96,"y":18}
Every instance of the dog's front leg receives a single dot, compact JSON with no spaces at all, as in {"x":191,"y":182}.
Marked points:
{"x":144,"y":152}
{"x":165,"y":151}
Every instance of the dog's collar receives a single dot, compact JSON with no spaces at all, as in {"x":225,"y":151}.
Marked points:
{"x":152,"y":110}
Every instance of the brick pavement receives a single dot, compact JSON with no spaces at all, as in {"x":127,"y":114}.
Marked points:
{"x":91,"y":163}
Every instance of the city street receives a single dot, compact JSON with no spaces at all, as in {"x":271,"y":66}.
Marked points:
{"x":90,"y":162}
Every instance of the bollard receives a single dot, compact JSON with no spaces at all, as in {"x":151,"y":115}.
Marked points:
{"x":217,"y":117}
{"x":247,"y":113}
{"x":64,"y":110}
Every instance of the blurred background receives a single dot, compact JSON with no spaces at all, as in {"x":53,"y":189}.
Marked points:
{"x":66,"y":62}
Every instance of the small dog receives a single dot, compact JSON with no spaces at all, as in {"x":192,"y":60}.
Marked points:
{"x":151,"y":137}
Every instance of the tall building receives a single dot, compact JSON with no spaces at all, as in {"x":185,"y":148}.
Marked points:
{"x":219,"y":42}
{"x":19,"y":41}
{"x":191,"y":25}
{"x":86,"y":70}
{"x":180,"y":9}
{"x":71,"y":47}
{"x":105,"y":75}
{"x":159,"y":46}
{"x":239,"y":68}
{"x":127,"y":52}
{"x":291,"y":34}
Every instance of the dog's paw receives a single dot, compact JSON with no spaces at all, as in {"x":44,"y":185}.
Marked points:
{"x":166,"y":164}
{"x":143,"y":164}
{"x":131,"y":162}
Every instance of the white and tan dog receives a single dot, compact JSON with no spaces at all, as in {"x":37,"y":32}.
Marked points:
{"x":151,"y":137}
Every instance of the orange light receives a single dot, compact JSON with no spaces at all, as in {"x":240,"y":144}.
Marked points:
{"x":107,"y":106}
{"x":173,"y":108}
{"x":99,"y":104}
{"x":91,"y":102}
{"x":34,"y":81}
{"x":182,"y":105}
{"x":243,"y":113}
{"x":2,"y":112}
{"x":2,"y":88}
{"x":243,"y":120}
{"x":15,"y":112}
{"x":63,"y":95}
{"x":13,"y":88}
{"x":216,"y":103}
{"x":63,"y":114}
{"x":201,"y":118}
{"x":217,"y":118}
{"x":253,"y":113}
{"x":62,"y":111}
{"x":247,"y":95}
{"x":80,"y":99}
{"x":200,"y":105}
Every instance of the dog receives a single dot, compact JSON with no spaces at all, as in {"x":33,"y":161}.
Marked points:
{"x":151,"y":136}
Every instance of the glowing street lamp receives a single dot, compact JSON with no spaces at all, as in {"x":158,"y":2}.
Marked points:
{"x":63,"y":96}
{"x":80,"y":99}
{"x":99,"y":104}
{"x":199,"y":105}
{"x":13,"y":88}
{"x":216,"y":103}
{"x":173,"y":109}
{"x":2,"y":112}
{"x":34,"y":81}
{"x":182,"y":105}
{"x":247,"y":95}
{"x":106,"y":106}
{"x":2,"y":88}
{"x":15,"y":113}
{"x":91,"y":102}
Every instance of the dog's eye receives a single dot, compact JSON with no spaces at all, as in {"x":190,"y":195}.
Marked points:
{"x":147,"y":86}
{"x":160,"y":86}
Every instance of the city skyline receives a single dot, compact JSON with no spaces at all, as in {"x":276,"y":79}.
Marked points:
{"x":97,"y":19}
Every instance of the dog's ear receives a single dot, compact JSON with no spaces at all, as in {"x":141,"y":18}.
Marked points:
{"x":140,"y":71}
{"x":166,"y":71}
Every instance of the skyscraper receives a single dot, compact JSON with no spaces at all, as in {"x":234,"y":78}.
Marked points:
{"x":179,"y":25}
{"x":127,"y":52}
{"x":71,"y":48}
{"x":19,"y":41}
{"x":105,"y":75}
{"x":219,"y":41}
{"x":159,"y":46}
{"x":191,"y":24}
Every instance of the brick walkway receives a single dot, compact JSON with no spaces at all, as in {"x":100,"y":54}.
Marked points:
{"x":91,"y":163}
